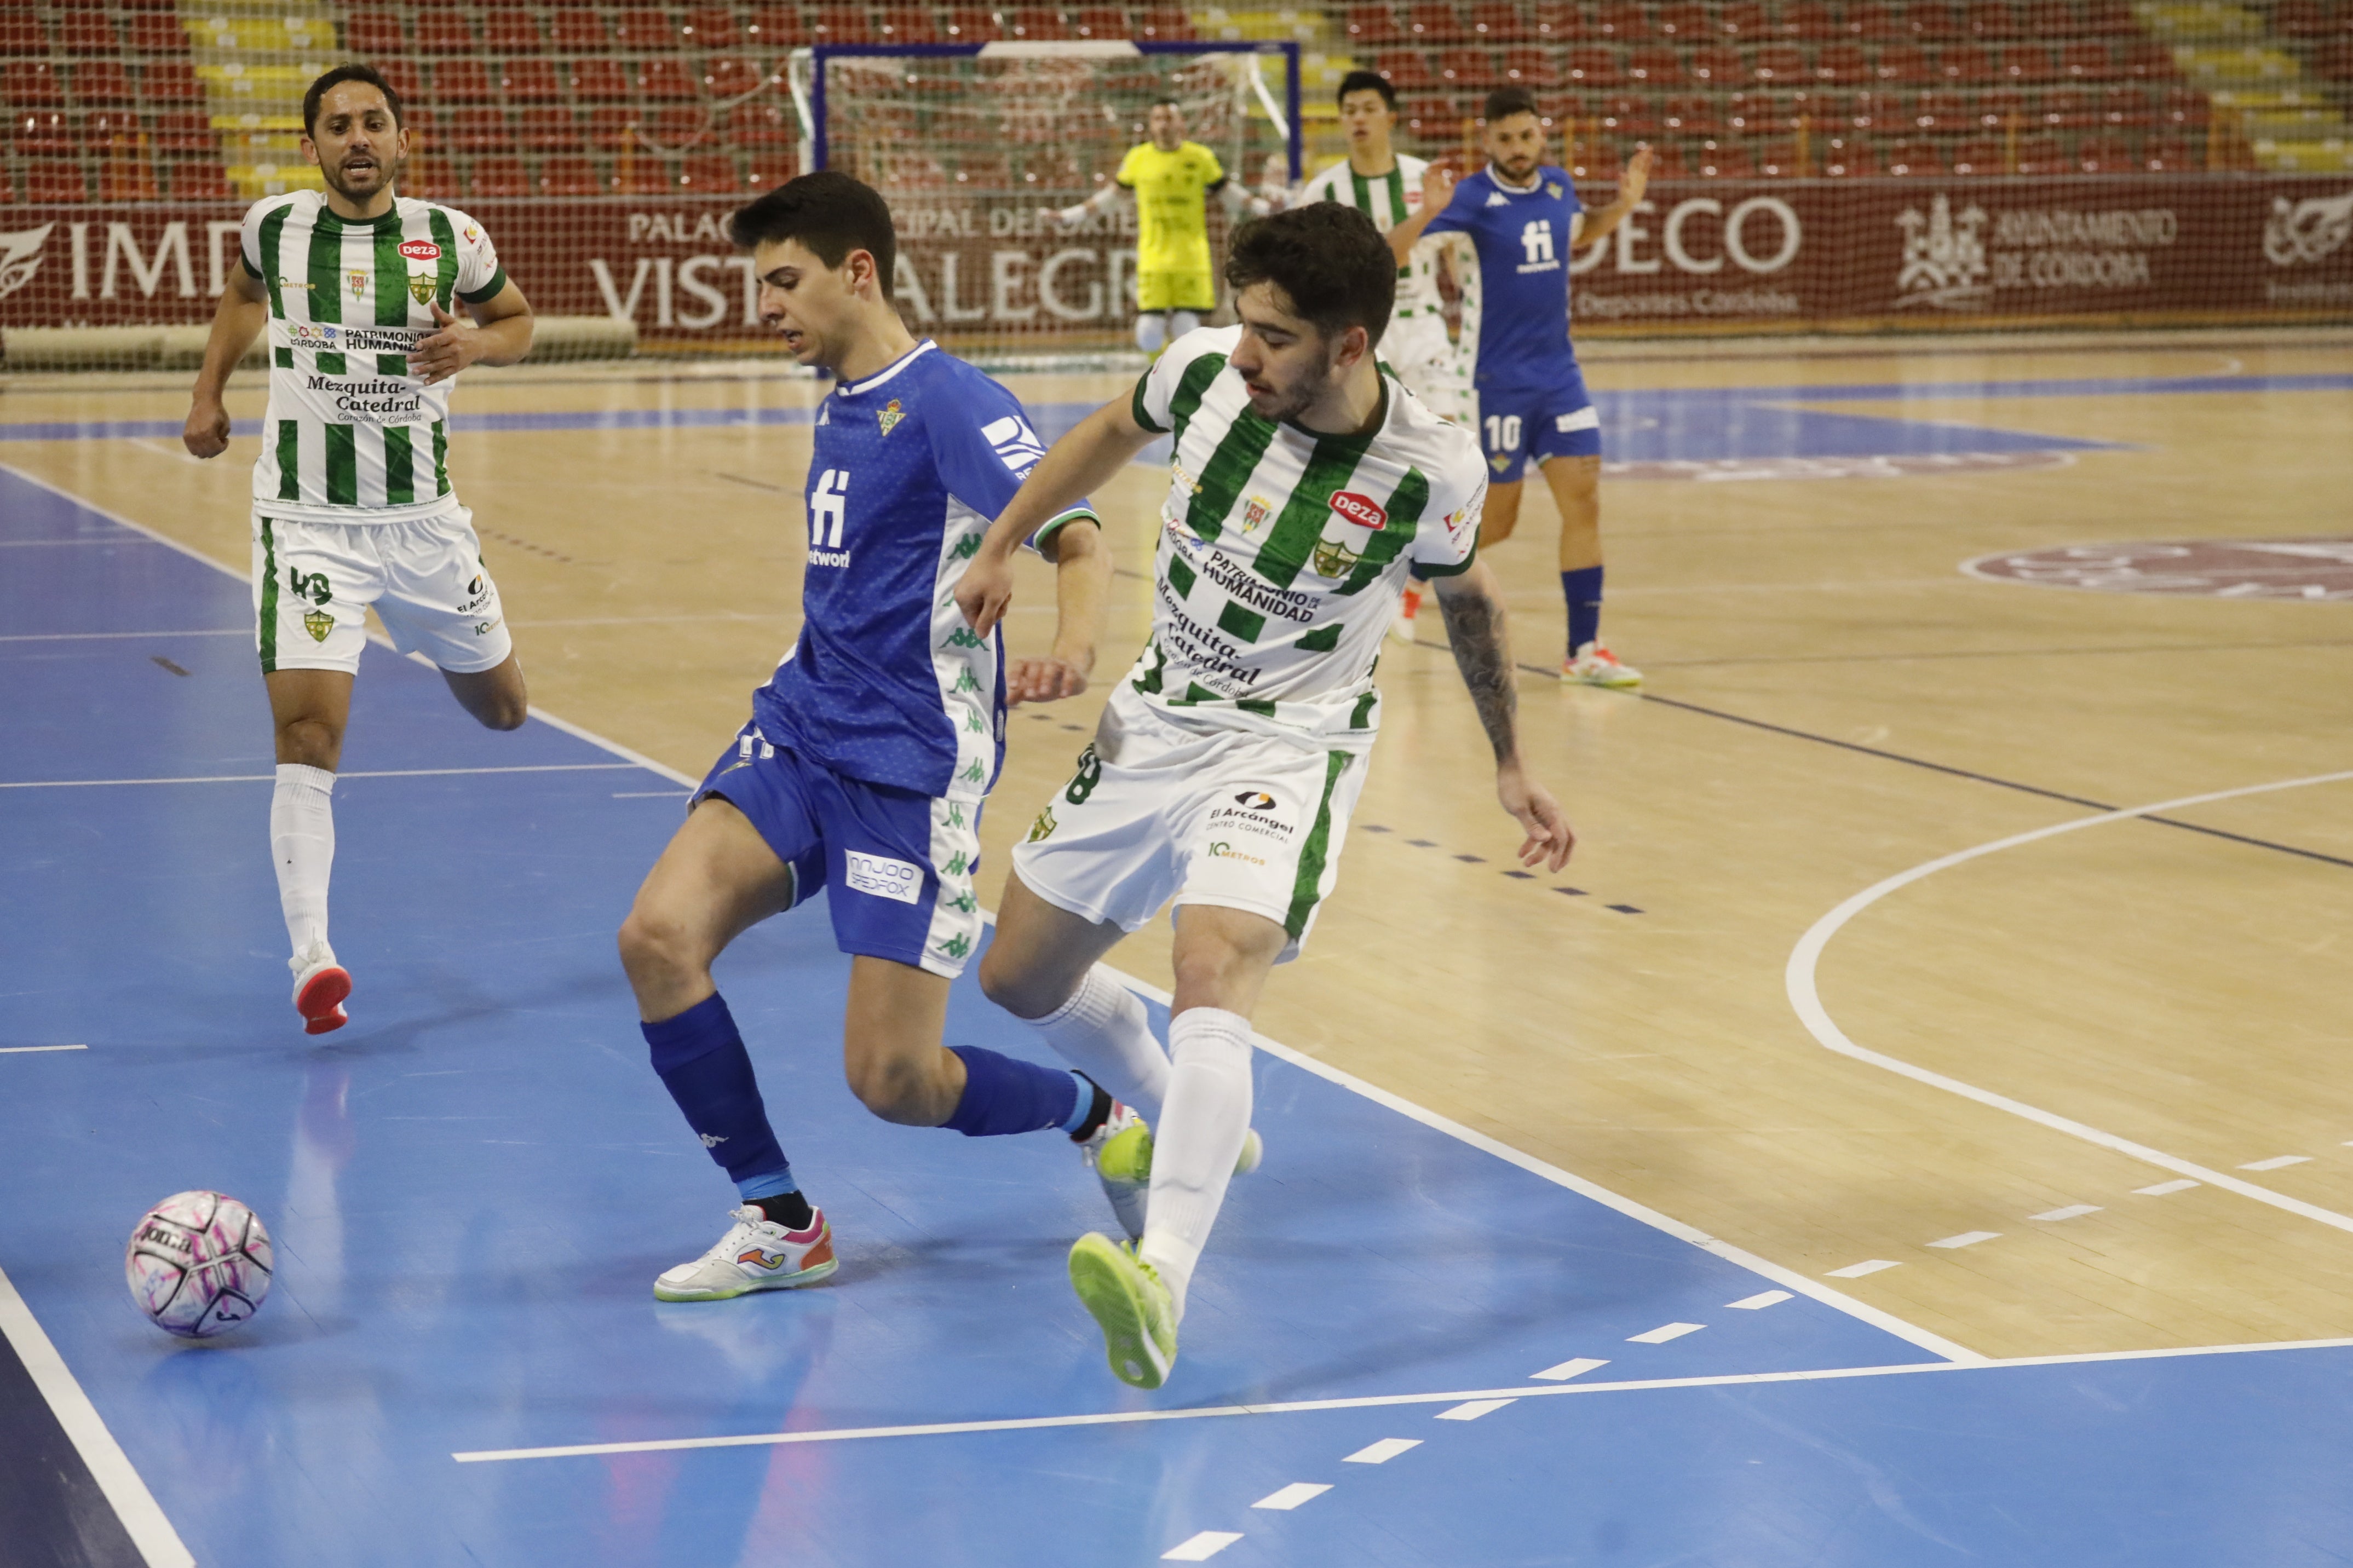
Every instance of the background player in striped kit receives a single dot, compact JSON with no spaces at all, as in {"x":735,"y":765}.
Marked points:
{"x":357,"y":287}
{"x":1523,"y":218}
{"x":1386,"y":185}
{"x":1302,"y":485}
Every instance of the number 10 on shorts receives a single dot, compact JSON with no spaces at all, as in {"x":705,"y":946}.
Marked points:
{"x":1503,"y":432}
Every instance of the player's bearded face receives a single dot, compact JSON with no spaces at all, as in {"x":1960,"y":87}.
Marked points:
{"x":360,"y":147}
{"x":1515,"y":146}
{"x":1284,"y":362}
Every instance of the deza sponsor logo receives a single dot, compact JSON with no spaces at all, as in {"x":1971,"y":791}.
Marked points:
{"x":1359,"y":509}
{"x":420,"y":250}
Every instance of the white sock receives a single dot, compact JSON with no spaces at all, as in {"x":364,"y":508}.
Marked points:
{"x":1202,"y":1127}
{"x":1151,"y":331}
{"x":1103,"y":1031}
{"x":302,"y":845}
{"x":1180,"y":322}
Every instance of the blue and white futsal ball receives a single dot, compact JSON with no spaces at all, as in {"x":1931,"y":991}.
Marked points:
{"x":198,"y":1264}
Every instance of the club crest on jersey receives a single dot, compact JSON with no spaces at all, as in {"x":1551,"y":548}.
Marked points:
{"x":1255,"y":511}
{"x":1332,"y":558}
{"x":890,"y":415}
{"x":1500,"y":461}
{"x":420,"y":286}
{"x":359,"y":282}
{"x":1552,"y":189}
{"x":1043,"y":828}
{"x":1360,"y":508}
{"x":318,"y":623}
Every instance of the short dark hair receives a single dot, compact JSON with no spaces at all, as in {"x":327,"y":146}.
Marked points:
{"x":826,"y":211}
{"x":1359,"y":80}
{"x":1329,"y":261}
{"x":1506,"y":101}
{"x":1167,"y":97}
{"x":335,"y":78}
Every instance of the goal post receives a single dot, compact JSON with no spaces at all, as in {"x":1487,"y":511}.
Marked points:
{"x":970,"y":141}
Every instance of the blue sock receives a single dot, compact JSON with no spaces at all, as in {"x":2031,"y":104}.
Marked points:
{"x":1582,"y":589}
{"x":1003,"y":1095}
{"x":703,"y":1064}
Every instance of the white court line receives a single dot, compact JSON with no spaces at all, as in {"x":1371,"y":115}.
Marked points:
{"x":2164,"y":1188}
{"x":149,"y":1531}
{"x":27,"y":1050}
{"x":1869,"y":1265}
{"x":111,"y":636}
{"x":1759,"y":1302}
{"x":1473,"y":1410}
{"x":1460,"y":1399}
{"x":1202,"y":1547}
{"x":1568,"y":1369}
{"x":2072,"y":1211}
{"x":1664,"y":1333}
{"x":356,"y":773}
{"x":1967,"y":1238}
{"x":1805,"y":998}
{"x":1935,"y":1344}
{"x":1382,"y":1452}
{"x":2277,"y":1161}
{"x":1292,"y":1496}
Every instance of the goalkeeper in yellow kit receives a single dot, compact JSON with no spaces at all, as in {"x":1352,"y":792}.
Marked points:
{"x":1170,"y":180}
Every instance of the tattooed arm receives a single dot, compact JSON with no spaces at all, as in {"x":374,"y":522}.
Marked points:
{"x":1473,"y":604}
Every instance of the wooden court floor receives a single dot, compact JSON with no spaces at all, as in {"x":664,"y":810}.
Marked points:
{"x":1809,"y":644}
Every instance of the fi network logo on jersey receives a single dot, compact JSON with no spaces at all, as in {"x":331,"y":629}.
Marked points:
{"x":1015,"y":442}
{"x":1536,"y":240}
{"x":827,"y":504}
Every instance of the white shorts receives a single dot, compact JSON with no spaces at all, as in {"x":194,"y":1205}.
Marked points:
{"x":314,"y":582}
{"x":1426,"y":360}
{"x":1234,"y":818}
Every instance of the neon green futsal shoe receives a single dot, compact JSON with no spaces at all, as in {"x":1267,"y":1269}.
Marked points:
{"x":1131,"y":1307}
{"x":1121,"y":1153}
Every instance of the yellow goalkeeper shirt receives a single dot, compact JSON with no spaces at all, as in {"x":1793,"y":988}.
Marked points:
{"x":1172,"y":223}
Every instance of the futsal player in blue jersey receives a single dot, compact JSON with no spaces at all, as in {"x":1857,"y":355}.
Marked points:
{"x":868,"y":752}
{"x":1521,"y":215}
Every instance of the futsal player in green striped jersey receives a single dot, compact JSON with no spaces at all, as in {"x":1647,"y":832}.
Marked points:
{"x":360,"y":289}
{"x":1304,"y":483}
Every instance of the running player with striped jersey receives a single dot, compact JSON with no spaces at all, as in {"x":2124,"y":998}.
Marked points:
{"x":868,"y":752}
{"x":1386,"y":185}
{"x":358,"y":288}
{"x":1523,"y":218}
{"x":1304,"y":484}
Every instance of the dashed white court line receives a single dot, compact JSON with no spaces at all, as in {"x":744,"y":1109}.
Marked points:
{"x":355,"y":774}
{"x":28,"y":1050}
{"x":1292,"y":1496}
{"x":2277,"y":1161}
{"x":1805,"y":997}
{"x":1759,"y":1302}
{"x":1868,"y":1266}
{"x":2166,"y":1189}
{"x":115,"y":636}
{"x":1569,"y":1369}
{"x":1967,"y":1238}
{"x":1202,"y":1547}
{"x":1472,"y":1410}
{"x":1664,"y":1333}
{"x":2072,"y":1211}
{"x":1382,"y":1452}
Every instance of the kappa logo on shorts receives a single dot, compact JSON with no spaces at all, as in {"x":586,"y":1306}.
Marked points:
{"x":881,"y":877}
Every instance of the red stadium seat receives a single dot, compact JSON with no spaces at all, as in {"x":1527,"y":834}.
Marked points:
{"x":675,"y":127}
{"x":1634,"y":119}
{"x":612,"y":126}
{"x":99,"y":82}
{"x":1849,"y":156}
{"x":667,"y":79}
{"x":111,"y":129}
{"x":1434,"y":22}
{"x":1655,"y":67}
{"x":643,"y":30}
{"x":21,"y":32}
{"x":498,"y":176}
{"x":2148,"y":60}
{"x":1163,"y":25}
{"x":907,"y":27}
{"x":1841,"y":65}
{"x":530,"y":81}
{"x":1593,"y":67}
{"x":1622,"y":22}
{"x":2043,"y":156}
{"x":50,"y":180}
{"x":709,"y":29}
{"x":761,"y":122}
{"x":199,"y":180}
{"x":155,"y":33}
{"x":645,"y":176}
{"x":1683,"y":22}
{"x":841,"y":25}
{"x":1718,"y":66}
{"x":442,"y":33}
{"x":968,"y":25}
{"x":2169,"y":158}
{"x":1808,"y":21}
{"x":85,"y":33}
{"x":767,"y":171}
{"x":1981,"y":156}
{"x":463,"y":81}
{"x":179,"y":131}
{"x":1530,"y":67}
{"x":1994,"y":21}
{"x":2087,"y":59}
{"x":1724,"y":160}
{"x":1374,"y":27}
{"x":1779,"y":65}
{"x":2030,"y":63}
{"x":1967,"y":63}
{"x":1464,"y":68}
{"x":1497,"y":22}
{"x":599,"y":81}
{"x":576,"y":29}
{"x":506,"y":30}
{"x":1935,"y":22}
{"x":31,"y":84}
{"x":569,"y":176}
{"x":712,"y":174}
{"x":2105,"y":157}
{"x":548,"y":128}
{"x":1669,"y":162}
{"x":1903,"y":63}
{"x":1691,"y":115}
{"x":1033,"y":24}
{"x":1915,"y":158}
{"x":1099,"y":22}
{"x":1410,"y":72}
{"x":1744,"y":21}
{"x":407,"y":77}
{"x":480,"y":131}
{"x":377,"y":35}
{"x":44,"y":133}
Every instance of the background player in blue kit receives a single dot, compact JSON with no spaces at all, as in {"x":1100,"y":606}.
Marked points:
{"x":1523,"y":217}
{"x":870,"y":750}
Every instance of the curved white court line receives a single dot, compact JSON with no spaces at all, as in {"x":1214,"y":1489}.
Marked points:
{"x":1807,"y":1000}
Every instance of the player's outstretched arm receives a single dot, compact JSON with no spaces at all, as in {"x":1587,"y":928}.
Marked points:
{"x":500,"y":333}
{"x":1631,"y":187}
{"x":1087,"y":459}
{"x":1473,"y":604}
{"x":243,"y":312}
{"x":1081,"y":587}
{"x":1102,"y":201}
{"x":1436,"y":189}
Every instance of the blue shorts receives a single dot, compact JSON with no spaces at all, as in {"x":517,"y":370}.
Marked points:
{"x":1519,"y":425}
{"x":901,"y":863}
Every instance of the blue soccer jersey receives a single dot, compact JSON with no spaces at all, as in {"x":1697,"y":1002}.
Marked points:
{"x":1522,"y":236}
{"x":887,"y":683}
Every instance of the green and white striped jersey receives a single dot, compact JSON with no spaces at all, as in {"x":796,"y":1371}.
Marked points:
{"x":1388,"y":200}
{"x":350,"y":436}
{"x":1282,"y":552}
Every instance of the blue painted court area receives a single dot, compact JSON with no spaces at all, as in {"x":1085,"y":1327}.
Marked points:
{"x":472,"y":1186}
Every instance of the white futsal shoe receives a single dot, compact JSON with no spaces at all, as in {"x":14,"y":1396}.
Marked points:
{"x":1121,"y":1155}
{"x":756,"y":1254}
{"x":320,"y":985}
{"x":1595,"y":665}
